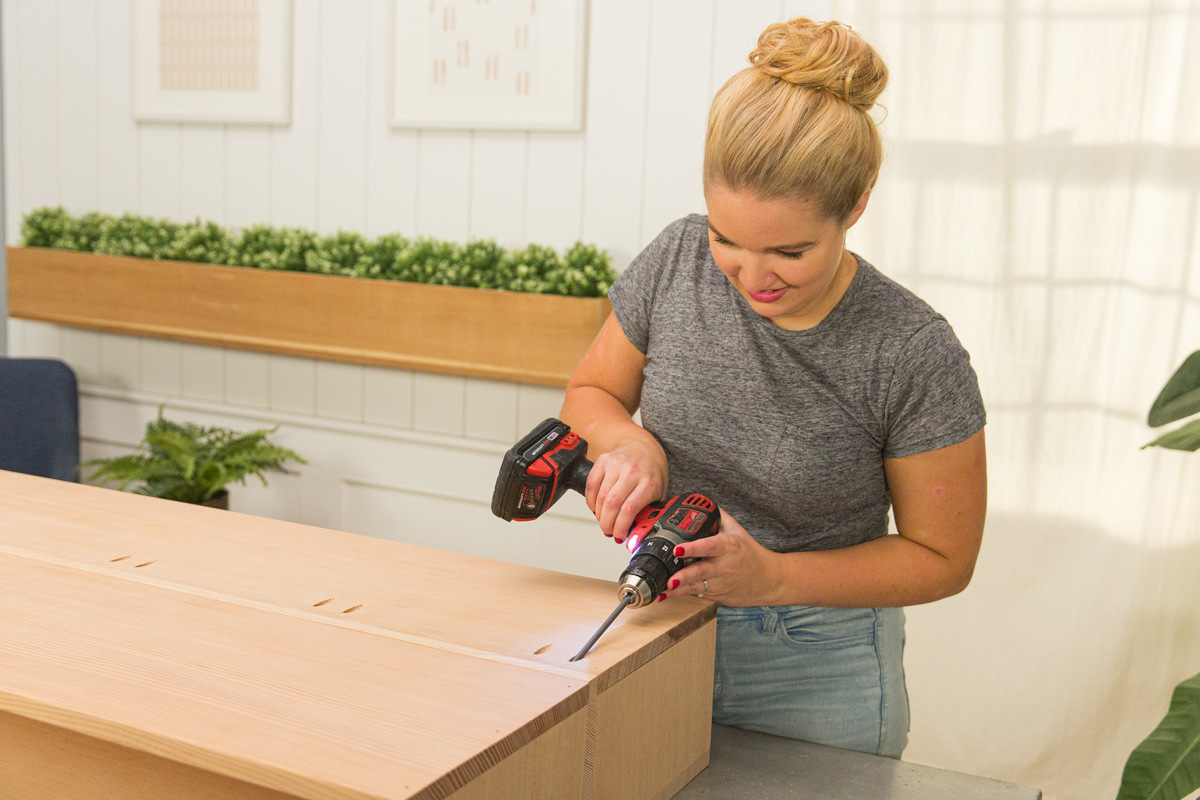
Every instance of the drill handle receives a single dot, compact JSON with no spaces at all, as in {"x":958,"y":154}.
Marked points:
{"x":577,"y":475}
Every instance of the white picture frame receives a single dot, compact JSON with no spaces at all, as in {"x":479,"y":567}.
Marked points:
{"x":216,"y":61}
{"x":488,"y":64}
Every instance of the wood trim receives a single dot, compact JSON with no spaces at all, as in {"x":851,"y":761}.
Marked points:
{"x":511,"y":336}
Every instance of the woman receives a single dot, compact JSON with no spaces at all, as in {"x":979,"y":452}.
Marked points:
{"x":803,"y":391}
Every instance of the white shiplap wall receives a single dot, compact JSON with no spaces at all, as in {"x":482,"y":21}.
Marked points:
{"x":393,"y":453}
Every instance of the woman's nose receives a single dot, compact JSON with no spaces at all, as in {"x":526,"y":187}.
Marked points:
{"x":756,"y":276}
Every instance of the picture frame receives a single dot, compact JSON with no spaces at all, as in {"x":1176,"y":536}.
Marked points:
{"x":488,"y":64}
{"x":222,"y":61}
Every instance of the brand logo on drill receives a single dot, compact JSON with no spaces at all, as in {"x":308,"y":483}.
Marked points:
{"x":531,"y":497}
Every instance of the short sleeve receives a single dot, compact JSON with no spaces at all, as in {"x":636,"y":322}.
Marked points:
{"x":633,"y":294}
{"x":933,"y":399}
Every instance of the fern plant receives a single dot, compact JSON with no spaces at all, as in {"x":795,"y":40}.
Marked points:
{"x":192,"y":463}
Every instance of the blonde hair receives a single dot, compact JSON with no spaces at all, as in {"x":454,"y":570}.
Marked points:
{"x":797,"y":123}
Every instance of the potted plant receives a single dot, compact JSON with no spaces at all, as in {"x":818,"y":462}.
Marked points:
{"x":192,"y":463}
{"x":1166,"y":765}
{"x":475,"y":308}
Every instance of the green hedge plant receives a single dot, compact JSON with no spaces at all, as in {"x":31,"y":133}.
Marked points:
{"x":582,"y":271}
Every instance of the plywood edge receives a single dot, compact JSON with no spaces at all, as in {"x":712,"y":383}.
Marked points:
{"x":548,"y":766}
{"x":665,"y":641}
{"x":635,"y":759}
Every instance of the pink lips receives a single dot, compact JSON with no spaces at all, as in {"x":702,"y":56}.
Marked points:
{"x":767,"y":297}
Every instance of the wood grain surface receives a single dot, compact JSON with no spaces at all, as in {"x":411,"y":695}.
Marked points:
{"x":325,"y":664}
{"x":514,"y":336}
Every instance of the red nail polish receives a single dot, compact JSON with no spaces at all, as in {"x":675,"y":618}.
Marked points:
{"x":674,"y":583}
{"x":661,"y":597}
{"x":618,"y":541}
{"x":679,"y":550}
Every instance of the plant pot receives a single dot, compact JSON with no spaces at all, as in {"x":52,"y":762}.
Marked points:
{"x":219,"y":500}
{"x":513,"y":336}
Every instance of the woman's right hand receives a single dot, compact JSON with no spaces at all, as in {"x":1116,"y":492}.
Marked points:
{"x":623,"y":481}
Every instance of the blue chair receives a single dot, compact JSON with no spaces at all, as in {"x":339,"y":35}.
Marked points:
{"x":39,"y":418}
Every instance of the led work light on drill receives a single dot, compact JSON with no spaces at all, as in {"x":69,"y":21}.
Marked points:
{"x":550,"y":459}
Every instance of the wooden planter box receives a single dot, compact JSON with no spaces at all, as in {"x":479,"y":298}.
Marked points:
{"x":157,"y":649}
{"x":511,"y":336}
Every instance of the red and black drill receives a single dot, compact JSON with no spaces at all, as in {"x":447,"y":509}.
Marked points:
{"x":550,"y":459}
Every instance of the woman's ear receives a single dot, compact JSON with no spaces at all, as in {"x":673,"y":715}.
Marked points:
{"x":858,"y":210}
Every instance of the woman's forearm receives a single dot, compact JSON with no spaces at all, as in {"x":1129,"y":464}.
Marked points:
{"x":600,"y":418}
{"x":889,"y":571}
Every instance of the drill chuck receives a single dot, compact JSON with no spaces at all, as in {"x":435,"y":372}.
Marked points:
{"x":652,"y":566}
{"x":642,"y":591}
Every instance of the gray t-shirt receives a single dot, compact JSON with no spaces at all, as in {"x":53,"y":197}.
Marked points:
{"x":788,"y":429}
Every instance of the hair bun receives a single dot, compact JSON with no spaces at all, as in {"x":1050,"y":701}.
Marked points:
{"x":825,"y":56}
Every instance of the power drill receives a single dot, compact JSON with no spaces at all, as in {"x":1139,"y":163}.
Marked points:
{"x":550,"y":459}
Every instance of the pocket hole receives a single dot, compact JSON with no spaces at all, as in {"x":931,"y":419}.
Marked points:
{"x":145,"y":564}
{"x":352,"y":608}
{"x":118,"y":558}
{"x":323,"y":602}
{"x":541,"y":650}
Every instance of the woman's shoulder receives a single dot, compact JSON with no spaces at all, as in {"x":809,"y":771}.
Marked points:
{"x":688,"y":230}
{"x":890,"y":300}
{"x":681,"y":245}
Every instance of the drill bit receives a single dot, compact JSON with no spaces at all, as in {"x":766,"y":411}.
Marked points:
{"x":626,"y":599}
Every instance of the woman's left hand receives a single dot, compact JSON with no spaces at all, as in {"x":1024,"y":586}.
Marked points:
{"x":737,"y":568}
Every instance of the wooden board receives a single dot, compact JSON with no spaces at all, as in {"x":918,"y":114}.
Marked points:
{"x":341,"y":628}
{"x":527,"y":338}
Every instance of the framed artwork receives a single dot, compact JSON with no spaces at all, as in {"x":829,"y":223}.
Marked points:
{"x":508,"y":64}
{"x":212,"y":61}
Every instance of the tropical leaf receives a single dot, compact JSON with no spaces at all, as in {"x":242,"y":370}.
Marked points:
{"x":1166,"y":765}
{"x":1185,"y":437}
{"x":1180,"y":397}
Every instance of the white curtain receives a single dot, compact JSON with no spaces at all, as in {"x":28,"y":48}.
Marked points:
{"x":1042,"y":190}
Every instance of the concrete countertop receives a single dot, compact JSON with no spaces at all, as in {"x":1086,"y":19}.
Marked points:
{"x":754,"y":766}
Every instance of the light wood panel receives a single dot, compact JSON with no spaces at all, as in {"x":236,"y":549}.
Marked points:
{"x":309,"y":709}
{"x":512,"y":336}
{"x":321,"y":663}
{"x":517,"y":613}
{"x":42,"y":760}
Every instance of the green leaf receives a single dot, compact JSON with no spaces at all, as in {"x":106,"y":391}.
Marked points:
{"x":189,"y":462}
{"x":1166,"y":765}
{"x":583,"y":271}
{"x":1186,"y":437}
{"x":1181,"y":396}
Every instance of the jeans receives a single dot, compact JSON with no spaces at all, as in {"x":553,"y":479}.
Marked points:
{"x":832,"y":676}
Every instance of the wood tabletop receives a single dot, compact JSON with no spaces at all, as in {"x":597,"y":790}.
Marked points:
{"x":315,"y":662}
